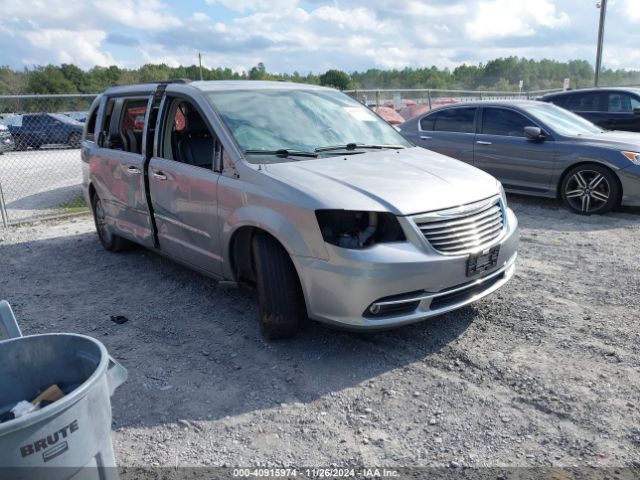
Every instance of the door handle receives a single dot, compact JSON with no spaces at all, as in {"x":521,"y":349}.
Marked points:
{"x":424,"y":137}
{"x":159,"y":175}
{"x":134,"y":171}
{"x":482,"y":142}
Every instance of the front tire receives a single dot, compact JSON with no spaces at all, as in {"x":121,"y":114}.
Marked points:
{"x":590,"y":189}
{"x":280,"y":296}
{"x":109,"y":240}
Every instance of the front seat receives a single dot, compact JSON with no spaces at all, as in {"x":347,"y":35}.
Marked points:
{"x":196,"y":145}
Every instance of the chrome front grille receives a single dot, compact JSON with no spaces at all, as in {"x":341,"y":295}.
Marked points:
{"x":464,"y":229}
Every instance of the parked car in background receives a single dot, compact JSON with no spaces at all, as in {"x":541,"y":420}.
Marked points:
{"x":300,"y":191}
{"x":38,"y":129}
{"x":610,"y":108}
{"x":6,"y":140}
{"x":78,"y":116}
{"x":536,"y":148}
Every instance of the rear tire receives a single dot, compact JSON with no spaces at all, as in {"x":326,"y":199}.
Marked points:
{"x":109,"y":240}
{"x":279,"y":293}
{"x":590,"y":189}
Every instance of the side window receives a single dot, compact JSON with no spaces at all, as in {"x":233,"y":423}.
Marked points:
{"x":499,"y":121}
{"x":124,"y":124}
{"x":560,"y":101}
{"x":90,"y":133}
{"x":426,"y":123}
{"x":458,"y":120}
{"x":621,"y":103}
{"x":584,"y":102}
{"x":132,"y":124}
{"x":106,"y":140}
{"x":186,"y":137}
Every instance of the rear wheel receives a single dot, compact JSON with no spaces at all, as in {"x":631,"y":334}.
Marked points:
{"x":279,"y":293}
{"x":590,"y":189}
{"x":109,"y":240}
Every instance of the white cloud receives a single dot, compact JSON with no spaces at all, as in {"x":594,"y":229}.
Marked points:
{"x":254,"y":5}
{"x":200,"y":17}
{"x":79,"y":47}
{"x":313,"y":35}
{"x":138,"y":14}
{"x":506,"y":18}
{"x":632,"y":9}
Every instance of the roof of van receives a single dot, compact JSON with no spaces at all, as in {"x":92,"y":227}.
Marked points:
{"x":217,"y":85}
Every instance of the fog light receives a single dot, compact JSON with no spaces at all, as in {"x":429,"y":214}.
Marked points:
{"x":374,"y":309}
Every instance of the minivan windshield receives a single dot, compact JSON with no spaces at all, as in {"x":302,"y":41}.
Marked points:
{"x":304,"y":120}
{"x":562,"y":121}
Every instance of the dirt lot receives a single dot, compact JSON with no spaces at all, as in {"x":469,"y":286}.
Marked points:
{"x":544,"y":372}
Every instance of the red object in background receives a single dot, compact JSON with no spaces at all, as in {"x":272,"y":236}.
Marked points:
{"x":134,"y":118}
{"x":414,"y":110}
{"x":411,"y":111}
{"x":405,"y":103}
{"x":389,"y":114}
{"x":179,"y":121}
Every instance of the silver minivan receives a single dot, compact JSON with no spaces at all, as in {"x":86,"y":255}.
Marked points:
{"x":300,"y":191}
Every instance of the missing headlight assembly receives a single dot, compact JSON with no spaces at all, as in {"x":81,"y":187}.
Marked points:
{"x":358,"y":229}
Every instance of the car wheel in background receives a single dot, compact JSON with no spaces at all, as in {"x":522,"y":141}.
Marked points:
{"x":74,"y":140}
{"x":280,"y":296}
{"x":109,"y":240}
{"x":590,"y":189}
{"x":19,"y":144}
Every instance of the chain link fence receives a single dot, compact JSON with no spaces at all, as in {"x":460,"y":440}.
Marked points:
{"x":40,"y":173}
{"x":399,"y":105}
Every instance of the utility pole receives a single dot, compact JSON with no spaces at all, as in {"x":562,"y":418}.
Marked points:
{"x":602,"y":5}
{"x":200,"y":62}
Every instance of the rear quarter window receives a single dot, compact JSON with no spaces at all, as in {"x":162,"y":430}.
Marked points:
{"x":90,"y":129}
{"x":426,"y":123}
{"x":457,"y":120}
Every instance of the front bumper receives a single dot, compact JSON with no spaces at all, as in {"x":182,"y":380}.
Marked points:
{"x":340,"y":291}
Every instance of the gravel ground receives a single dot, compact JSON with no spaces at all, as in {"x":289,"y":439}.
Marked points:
{"x":543,"y":372}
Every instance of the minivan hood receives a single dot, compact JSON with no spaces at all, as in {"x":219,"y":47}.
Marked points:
{"x":617,"y":140}
{"x":404,"y":182}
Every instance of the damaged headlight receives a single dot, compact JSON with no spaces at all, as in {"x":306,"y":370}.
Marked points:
{"x":357,"y":229}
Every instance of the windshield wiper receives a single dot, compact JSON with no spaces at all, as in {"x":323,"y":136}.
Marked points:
{"x":283,"y":152}
{"x":353,"y":146}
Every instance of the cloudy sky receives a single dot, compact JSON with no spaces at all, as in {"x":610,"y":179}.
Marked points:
{"x":312,"y":35}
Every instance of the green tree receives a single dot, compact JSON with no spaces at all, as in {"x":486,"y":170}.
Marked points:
{"x":258,"y":72}
{"x":335,"y":78}
{"x":49,"y":79}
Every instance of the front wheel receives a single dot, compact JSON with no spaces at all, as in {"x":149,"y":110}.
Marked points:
{"x":109,"y":240}
{"x":590,"y":189}
{"x":279,"y":293}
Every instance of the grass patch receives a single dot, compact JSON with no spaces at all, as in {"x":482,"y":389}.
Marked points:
{"x":75,"y":205}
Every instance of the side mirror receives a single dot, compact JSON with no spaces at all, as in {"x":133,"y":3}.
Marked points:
{"x":636,"y":111}
{"x":534,"y":133}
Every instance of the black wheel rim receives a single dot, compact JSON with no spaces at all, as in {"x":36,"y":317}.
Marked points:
{"x":101,"y":223}
{"x":587,"y":191}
